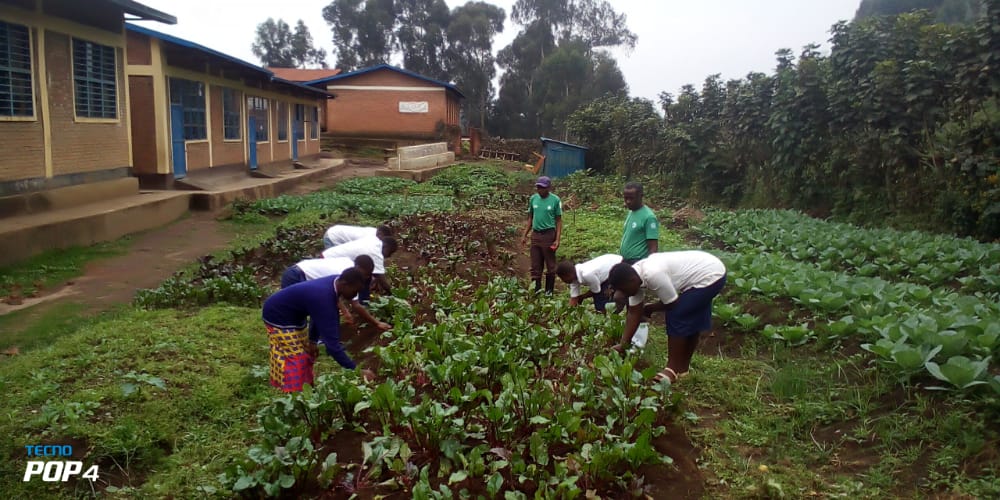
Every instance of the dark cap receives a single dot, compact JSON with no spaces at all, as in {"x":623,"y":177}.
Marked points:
{"x":544,"y":182}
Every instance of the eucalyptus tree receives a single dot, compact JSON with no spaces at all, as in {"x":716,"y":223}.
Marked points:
{"x":469,"y":58}
{"x":278,"y":45}
{"x":363,"y":31}
{"x":536,"y":96}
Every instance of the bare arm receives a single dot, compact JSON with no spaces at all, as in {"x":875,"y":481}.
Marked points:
{"x":558,"y":230}
{"x":367,"y":316}
{"x":653,"y":246}
{"x":632,"y":320}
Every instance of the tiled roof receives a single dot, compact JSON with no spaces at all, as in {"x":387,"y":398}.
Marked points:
{"x":303,"y":75}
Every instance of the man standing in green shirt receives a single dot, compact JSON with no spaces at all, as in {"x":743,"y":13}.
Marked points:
{"x":642,"y":233}
{"x":545,"y":228}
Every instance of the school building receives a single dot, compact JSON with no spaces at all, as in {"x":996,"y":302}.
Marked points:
{"x":384,"y":101}
{"x":64,"y":117}
{"x":202,"y":109}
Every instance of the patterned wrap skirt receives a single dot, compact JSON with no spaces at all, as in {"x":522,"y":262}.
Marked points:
{"x":292,"y":358}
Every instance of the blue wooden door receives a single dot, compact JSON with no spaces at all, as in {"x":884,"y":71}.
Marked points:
{"x":252,"y":142}
{"x":177,"y":140}
{"x":298,"y":132}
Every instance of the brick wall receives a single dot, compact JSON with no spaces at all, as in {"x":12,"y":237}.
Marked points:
{"x":143,"y":123}
{"x":22,"y":150}
{"x":197,"y":155}
{"x":80,"y":146}
{"x":376,"y":113}
{"x":138,"y":48}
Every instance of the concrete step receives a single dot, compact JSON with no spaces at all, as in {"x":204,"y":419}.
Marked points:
{"x":67,"y":197}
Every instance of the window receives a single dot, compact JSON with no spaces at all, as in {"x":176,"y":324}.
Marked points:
{"x":314,"y":129}
{"x":282,"y":121}
{"x":191,"y":96}
{"x":16,"y":98}
{"x":232,"y":122}
{"x":257,"y":109}
{"x":95,"y":80}
{"x":300,"y":119}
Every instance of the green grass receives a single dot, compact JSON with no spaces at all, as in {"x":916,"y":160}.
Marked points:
{"x":588,"y":234}
{"x":41,"y":325}
{"x":55,"y":267}
{"x":173,"y":440}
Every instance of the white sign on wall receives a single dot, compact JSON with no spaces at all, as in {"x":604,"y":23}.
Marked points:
{"x":413,"y":106}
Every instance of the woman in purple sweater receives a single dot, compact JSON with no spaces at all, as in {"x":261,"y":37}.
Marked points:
{"x":287,"y":315}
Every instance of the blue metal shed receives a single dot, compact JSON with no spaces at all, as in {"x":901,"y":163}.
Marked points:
{"x":563,"y":158}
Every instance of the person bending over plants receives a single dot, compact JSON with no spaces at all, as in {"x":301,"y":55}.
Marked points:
{"x":342,"y":233}
{"x":685,"y":283}
{"x":378,"y":249}
{"x":287,"y":314}
{"x":593,"y":275}
{"x":311,"y":269}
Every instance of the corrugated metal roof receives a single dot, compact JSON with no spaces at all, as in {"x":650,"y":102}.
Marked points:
{"x":144,"y":11}
{"x":265,"y":73}
{"x":390,"y":68}
{"x":546,"y":139}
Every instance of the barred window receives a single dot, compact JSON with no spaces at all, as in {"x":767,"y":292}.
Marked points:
{"x":282,"y":121}
{"x":191,"y":96}
{"x":300,"y":121}
{"x":16,"y":98}
{"x":314,"y":129}
{"x":257,"y":108}
{"x":232,"y":122}
{"x":95,"y":82}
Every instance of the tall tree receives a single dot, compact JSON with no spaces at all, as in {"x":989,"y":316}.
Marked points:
{"x":948,"y":11}
{"x":420,"y":35}
{"x":277,"y":45}
{"x":537,"y":94}
{"x":363,"y":31}
{"x":469,"y":55}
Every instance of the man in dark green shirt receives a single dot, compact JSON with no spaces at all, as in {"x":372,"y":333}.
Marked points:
{"x":545,"y":228}
{"x":642,"y":233}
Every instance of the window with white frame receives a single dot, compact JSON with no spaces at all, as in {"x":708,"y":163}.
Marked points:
{"x":190,"y":95}
{"x":16,"y":97}
{"x":282,"y":121}
{"x":232,"y":123}
{"x":95,"y":80}
{"x":257,"y":108}
{"x":314,"y":129}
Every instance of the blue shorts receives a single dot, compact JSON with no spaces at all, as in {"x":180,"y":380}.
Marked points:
{"x":291,"y":276}
{"x":601,"y":298}
{"x":691,"y":314}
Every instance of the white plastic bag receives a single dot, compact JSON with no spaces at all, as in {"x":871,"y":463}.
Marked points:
{"x":641,"y":335}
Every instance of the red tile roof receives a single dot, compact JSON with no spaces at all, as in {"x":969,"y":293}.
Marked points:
{"x":303,"y":75}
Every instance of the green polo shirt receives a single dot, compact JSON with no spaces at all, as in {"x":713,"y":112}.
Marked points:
{"x":640,"y":225}
{"x":543,"y":211}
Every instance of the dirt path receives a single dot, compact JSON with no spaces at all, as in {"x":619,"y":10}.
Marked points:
{"x":155,"y":255}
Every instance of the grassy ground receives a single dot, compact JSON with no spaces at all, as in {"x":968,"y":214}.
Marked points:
{"x":163,"y":399}
{"x":54,"y":267}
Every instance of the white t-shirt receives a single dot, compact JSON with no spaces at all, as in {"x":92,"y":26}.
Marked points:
{"x":669,"y":274}
{"x":340,"y":234}
{"x":320,"y":268}
{"x":369,"y":245}
{"x":592,"y":273}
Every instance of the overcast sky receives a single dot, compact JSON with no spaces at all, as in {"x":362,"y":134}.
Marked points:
{"x":680,"y":41}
